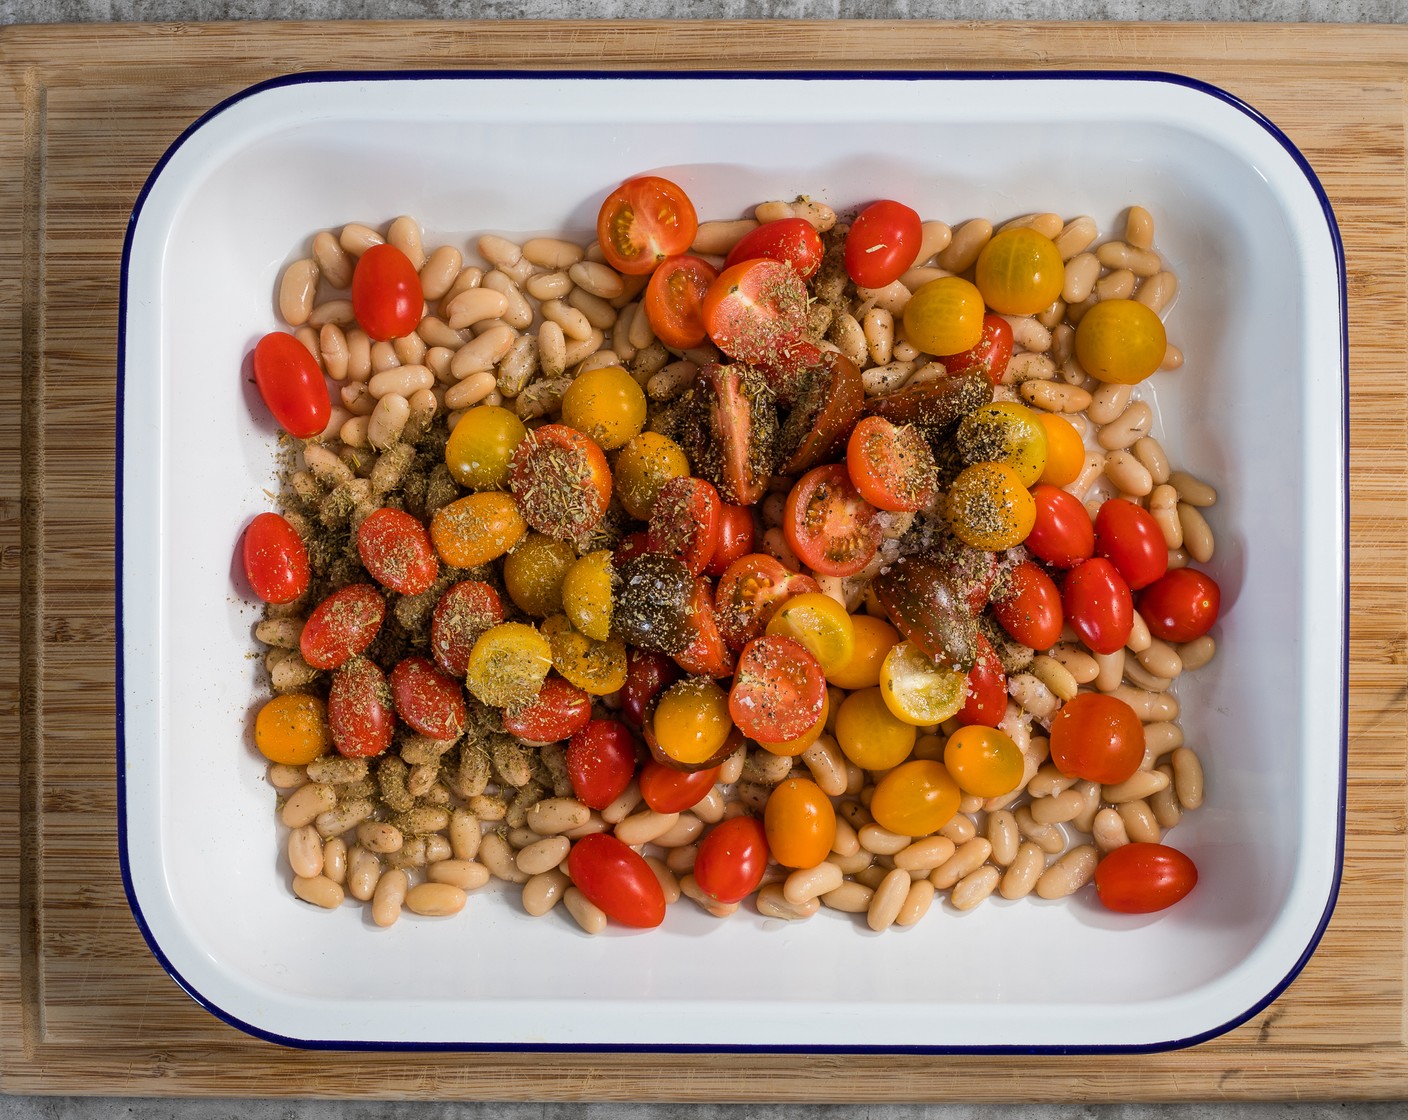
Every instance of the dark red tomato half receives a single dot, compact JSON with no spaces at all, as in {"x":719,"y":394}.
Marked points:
{"x":463,"y":614}
{"x":292,"y":385}
{"x":632,"y":545}
{"x":674,"y":300}
{"x":1144,"y":878}
{"x":1129,"y":538}
{"x":738,"y":535}
{"x":1097,"y":603}
{"x":427,"y":700}
{"x":985,"y":695}
{"x":1062,"y":534}
{"x":342,"y":625}
{"x":648,"y":673}
{"x":360,"y":715}
{"x":778,"y":691}
{"x":1028,"y":606}
{"x":732,"y":859}
{"x":275,"y":559}
{"x":1181,"y":606}
{"x":882,"y":243}
{"x":684,"y":522}
{"x":831,"y":528}
{"x":395,"y":548}
{"x":891,"y":465}
{"x":616,"y":879}
{"x":667,"y":790}
{"x":991,"y":354}
{"x":793,"y":241}
{"x":706,"y":654}
{"x":558,"y":712}
{"x":601,"y":760}
{"x":386,"y":294}
{"x":643,"y":221}
{"x":756,"y":312}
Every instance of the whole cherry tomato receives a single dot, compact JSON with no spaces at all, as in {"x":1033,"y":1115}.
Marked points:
{"x":668,"y":790}
{"x":793,"y":241}
{"x":360,"y":715}
{"x":756,"y":312}
{"x":990,"y":356}
{"x":737,"y":537}
{"x":386,"y":294}
{"x":800,"y":823}
{"x":1097,"y":603}
{"x":559,"y":711}
{"x":684,"y":522}
{"x":882,"y":243}
{"x":292,"y":385}
{"x":1128,"y":536}
{"x":1062,"y":534}
{"x":428,"y":701}
{"x":601,"y":760}
{"x":1181,"y":606}
{"x":643,"y":221}
{"x":674,"y":300}
{"x":342,"y":625}
{"x":778,"y":689}
{"x":463,"y":614}
{"x":1097,"y":737}
{"x":616,"y":879}
{"x":275,"y":560}
{"x":732,"y":859}
{"x":647,"y":675}
{"x":1027,"y":604}
{"x":395,"y":548}
{"x":832,"y":529}
{"x":985,"y":700}
{"x":1144,"y":878}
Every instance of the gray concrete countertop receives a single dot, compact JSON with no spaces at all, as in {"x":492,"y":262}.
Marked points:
{"x":1268,"y":11}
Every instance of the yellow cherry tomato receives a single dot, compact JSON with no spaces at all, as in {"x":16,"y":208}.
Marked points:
{"x":793,"y":747}
{"x":918,"y":691}
{"x":534,"y":571}
{"x":479,"y":449}
{"x":1005,"y":432}
{"x":476,"y":529}
{"x":1020,"y":272}
{"x":645,"y":464}
{"x":691,"y":720}
{"x":945,"y":316}
{"x":293,"y":729}
{"x":800,"y":823}
{"x":1065,"y":451}
{"x":983,"y":761}
{"x":871,"y":735}
{"x":989,"y":508}
{"x":586,"y":594}
{"x":508,"y":665}
{"x":607,"y":404}
{"x":821,"y":624}
{"x":874,"y":638}
{"x":1120,"y":341}
{"x":915,"y":799}
{"x":597,"y":667}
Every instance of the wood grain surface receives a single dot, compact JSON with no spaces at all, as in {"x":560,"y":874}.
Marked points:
{"x":85,"y":112}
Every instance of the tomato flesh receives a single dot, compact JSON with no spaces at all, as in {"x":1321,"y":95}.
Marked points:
{"x":778,"y":689}
{"x":756,"y":312}
{"x":684,"y":522}
{"x":644,"y":221}
{"x":891,"y":466}
{"x":831,"y":528}
{"x":674,"y":300}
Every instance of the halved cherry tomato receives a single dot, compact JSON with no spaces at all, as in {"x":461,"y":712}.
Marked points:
{"x":668,"y":790}
{"x":360,"y":714}
{"x":559,"y":711}
{"x":464,"y":612}
{"x":800,"y":823}
{"x":1062,"y":534}
{"x":891,"y":465}
{"x":751,"y":588}
{"x":1097,"y":737}
{"x":616,"y":879}
{"x":1027,"y":604}
{"x":706,"y":654}
{"x":732,"y":859}
{"x":651,"y":609}
{"x":1144,"y":878}
{"x":386,"y":294}
{"x":674,"y":300}
{"x":292,"y":385}
{"x":647,"y":674}
{"x":560,"y":480}
{"x":643,"y":221}
{"x":831,"y":528}
{"x":1129,"y":538}
{"x":342,"y":625}
{"x":882,"y":243}
{"x":990,"y":356}
{"x":919,"y":690}
{"x":684,"y":522}
{"x":756,"y":312}
{"x":275,"y":559}
{"x":737,"y":537}
{"x":793,"y":241}
{"x":1097,"y":603}
{"x":778,"y":689}
{"x":731,"y":430}
{"x":508,"y":665}
{"x":596,"y":667}
{"x":828,"y":398}
{"x":601,"y":760}
{"x":690,"y":725}
{"x":985,"y":698}
{"x":1181,"y":606}
{"x":427,"y":700}
{"x":395,"y":548}
{"x":821,"y":624}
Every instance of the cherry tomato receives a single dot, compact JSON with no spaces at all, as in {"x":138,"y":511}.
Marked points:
{"x":778,"y":689}
{"x":872,"y":639}
{"x":607,"y":404}
{"x":476,"y":529}
{"x":616,"y":879}
{"x":1120,"y":341}
{"x":990,"y":355}
{"x":945,"y":316}
{"x":561,"y":481}
{"x":596,"y":667}
{"x":1097,"y":603}
{"x":674,"y":300}
{"x":882,"y":243}
{"x":386,"y":293}
{"x":508,"y":665}
{"x":342,"y":625}
{"x":749,"y":591}
{"x":360,"y":715}
{"x":828,"y":401}
{"x":428,"y":701}
{"x":916,"y":798}
{"x":1144,"y":878}
{"x":831,"y":528}
{"x":587,"y":596}
{"x":737,"y":538}
{"x":732,"y":859}
{"x":684,"y":522}
{"x":395,"y":548}
{"x":464,"y":612}
{"x":559,"y":711}
{"x":292,"y":729}
{"x":1098,"y":738}
{"x":1027,"y":604}
{"x":918,"y":689}
{"x":644,"y":465}
{"x":1128,"y":536}
{"x":647,"y":673}
{"x":668,"y":790}
{"x":989,"y":507}
{"x":821,"y":624}
{"x":871,"y":735}
{"x":983,"y":761}
{"x":480,"y":448}
{"x":643,"y":221}
{"x":1005,"y":432}
{"x":934,"y":602}
{"x":654,"y":594}
{"x":706,"y":654}
{"x":691,"y":722}
{"x":985,"y":698}
{"x":292,"y":385}
{"x":1065,"y":452}
{"x":730,"y":430}
{"x":1019,"y":272}
{"x":800,"y":823}
{"x":891,"y":466}
{"x":756,"y":312}
{"x":1181,"y":606}
{"x":1062,"y":534}
{"x":275,"y":559}
{"x":793,"y":241}
{"x":534,"y":572}
{"x":601,"y":760}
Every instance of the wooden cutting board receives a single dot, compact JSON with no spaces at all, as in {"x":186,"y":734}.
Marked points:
{"x":85,"y":112}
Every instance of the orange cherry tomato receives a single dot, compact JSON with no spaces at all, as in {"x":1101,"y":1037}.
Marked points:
{"x":983,"y":761}
{"x":386,"y":293}
{"x":1065,"y":453}
{"x":643,"y":221}
{"x":891,"y":465}
{"x":292,"y":385}
{"x":292,"y":729}
{"x":915,"y":798}
{"x":561,"y":481}
{"x":800,"y":822}
{"x":674,"y":300}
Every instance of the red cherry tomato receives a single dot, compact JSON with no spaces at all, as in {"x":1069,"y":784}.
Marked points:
{"x":985,"y":697}
{"x":1144,"y":878}
{"x":882,"y":243}
{"x":616,"y":879}
{"x":464,"y":612}
{"x":667,"y":790}
{"x":1181,"y":606}
{"x":386,"y":293}
{"x":684,"y":522}
{"x":342,"y":625}
{"x":751,"y":588}
{"x":395,"y":548}
{"x":674,"y":300}
{"x":1027,"y":604}
{"x":737,"y":537}
{"x":427,"y":700}
{"x":1097,"y":737}
{"x":601,"y":760}
{"x":990,"y":356}
{"x":778,"y":690}
{"x":1128,"y":536}
{"x":360,"y":715}
{"x":558,"y":712}
{"x":891,"y":465}
{"x":643,"y":221}
{"x":275,"y":560}
{"x":793,"y":241}
{"x":1097,"y":603}
{"x":706,"y":654}
{"x":292,"y":385}
{"x":647,"y":675}
{"x":1062,"y":534}
{"x":732,"y":859}
{"x":831,"y":528}
{"x":632,"y":545}
{"x":756,"y":312}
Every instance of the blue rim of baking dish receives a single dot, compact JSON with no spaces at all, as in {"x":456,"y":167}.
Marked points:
{"x":334,"y":76}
